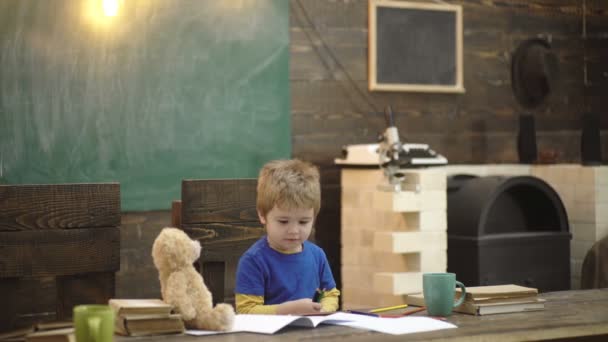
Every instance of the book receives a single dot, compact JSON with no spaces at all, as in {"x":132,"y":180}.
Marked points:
{"x":53,"y":335}
{"x":491,"y":306}
{"x":270,"y":324}
{"x":54,"y":325}
{"x":144,"y":325}
{"x":16,"y":334}
{"x":123,"y":307}
{"x":478,"y":293}
{"x":505,"y":307}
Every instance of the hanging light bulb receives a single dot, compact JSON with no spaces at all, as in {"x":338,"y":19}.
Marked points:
{"x":111,"y":7}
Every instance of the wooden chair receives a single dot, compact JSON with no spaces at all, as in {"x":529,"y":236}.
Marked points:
{"x":59,"y":247}
{"x":220,"y":214}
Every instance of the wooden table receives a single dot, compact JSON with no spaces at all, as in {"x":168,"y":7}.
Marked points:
{"x":569,"y":315}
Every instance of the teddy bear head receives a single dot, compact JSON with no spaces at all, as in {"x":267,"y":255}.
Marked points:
{"x":173,"y":249}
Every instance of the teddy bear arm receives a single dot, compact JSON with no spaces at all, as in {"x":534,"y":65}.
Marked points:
{"x":177,"y":295}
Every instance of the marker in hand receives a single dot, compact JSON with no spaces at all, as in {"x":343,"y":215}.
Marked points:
{"x":318,"y":295}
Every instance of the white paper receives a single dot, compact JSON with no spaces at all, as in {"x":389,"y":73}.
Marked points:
{"x":264,"y":324}
{"x":270,"y":324}
{"x":399,"y":326}
{"x":202,"y":332}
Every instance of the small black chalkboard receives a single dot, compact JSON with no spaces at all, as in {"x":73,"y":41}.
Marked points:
{"x":415,"y":47}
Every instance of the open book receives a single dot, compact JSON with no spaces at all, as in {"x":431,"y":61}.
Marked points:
{"x":270,"y":324}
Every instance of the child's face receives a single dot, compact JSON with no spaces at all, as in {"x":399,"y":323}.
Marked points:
{"x":288,"y":229}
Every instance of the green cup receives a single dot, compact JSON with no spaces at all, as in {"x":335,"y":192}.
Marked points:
{"x":94,"y":323}
{"x":439,"y":293}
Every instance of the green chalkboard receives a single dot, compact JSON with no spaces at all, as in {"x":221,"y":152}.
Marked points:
{"x":162,"y":91}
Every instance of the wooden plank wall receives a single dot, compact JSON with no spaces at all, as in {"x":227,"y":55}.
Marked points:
{"x":332,"y":107}
{"x":59,"y":247}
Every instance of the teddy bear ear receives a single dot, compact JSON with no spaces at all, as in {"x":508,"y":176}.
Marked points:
{"x":196,"y":246}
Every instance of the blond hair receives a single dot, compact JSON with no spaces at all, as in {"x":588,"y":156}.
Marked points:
{"x":288,"y":184}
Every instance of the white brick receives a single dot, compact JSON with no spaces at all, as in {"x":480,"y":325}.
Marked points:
{"x":362,"y":276}
{"x":570,"y":174}
{"x":349,"y":219}
{"x":398,"y":283}
{"x":366,"y":178}
{"x":433,"y":220}
{"x":431,"y":179}
{"x":579,"y":249}
{"x":566,"y":192}
{"x":477,"y":170}
{"x":601,"y":230}
{"x":351,"y":197}
{"x":582,"y":212}
{"x":409,"y":201}
{"x":358,"y":238}
{"x":387,"y":262}
{"x":584,"y":193}
{"x":601,"y":193}
{"x":540,"y":171}
{"x":508,"y":170}
{"x":586,"y":176}
{"x":583,"y":231}
{"x":396,"y":222}
{"x":357,"y":256}
{"x":601,"y":212}
{"x":433,"y":261}
{"x":409,"y":242}
{"x":601,"y":175}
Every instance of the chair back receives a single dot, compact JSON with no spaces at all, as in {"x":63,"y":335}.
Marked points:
{"x":221,"y":214}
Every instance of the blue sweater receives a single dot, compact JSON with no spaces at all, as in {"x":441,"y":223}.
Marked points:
{"x":278,"y":277}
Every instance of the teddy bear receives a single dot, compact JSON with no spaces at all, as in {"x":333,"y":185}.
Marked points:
{"x":183,"y":287}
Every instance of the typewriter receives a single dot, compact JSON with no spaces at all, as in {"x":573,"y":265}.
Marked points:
{"x":391,"y":155}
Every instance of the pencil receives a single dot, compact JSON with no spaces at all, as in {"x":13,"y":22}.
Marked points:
{"x":422,"y":308}
{"x":389,"y":308}
{"x":362,"y":313}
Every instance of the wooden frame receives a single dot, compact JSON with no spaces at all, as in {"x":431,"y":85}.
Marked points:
{"x":380,"y":85}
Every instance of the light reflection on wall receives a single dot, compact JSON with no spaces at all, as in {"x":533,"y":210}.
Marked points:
{"x":110,"y":7}
{"x":101,"y":14}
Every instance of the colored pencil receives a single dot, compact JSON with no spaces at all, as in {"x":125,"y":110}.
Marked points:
{"x":388,"y":308}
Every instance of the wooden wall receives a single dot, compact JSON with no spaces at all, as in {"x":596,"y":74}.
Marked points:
{"x":332,"y":107}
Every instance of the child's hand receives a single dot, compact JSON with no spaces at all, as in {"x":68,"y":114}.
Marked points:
{"x":304,"y":306}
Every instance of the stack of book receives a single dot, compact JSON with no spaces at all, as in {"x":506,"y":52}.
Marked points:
{"x":56,"y":331}
{"x":143,"y":317}
{"x":487,"y":300}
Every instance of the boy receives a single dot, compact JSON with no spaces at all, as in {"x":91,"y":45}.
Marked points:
{"x":282,"y":271}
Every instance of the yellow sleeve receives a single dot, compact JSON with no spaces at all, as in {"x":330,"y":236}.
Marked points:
{"x":329,"y":302}
{"x":250,"y":304}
